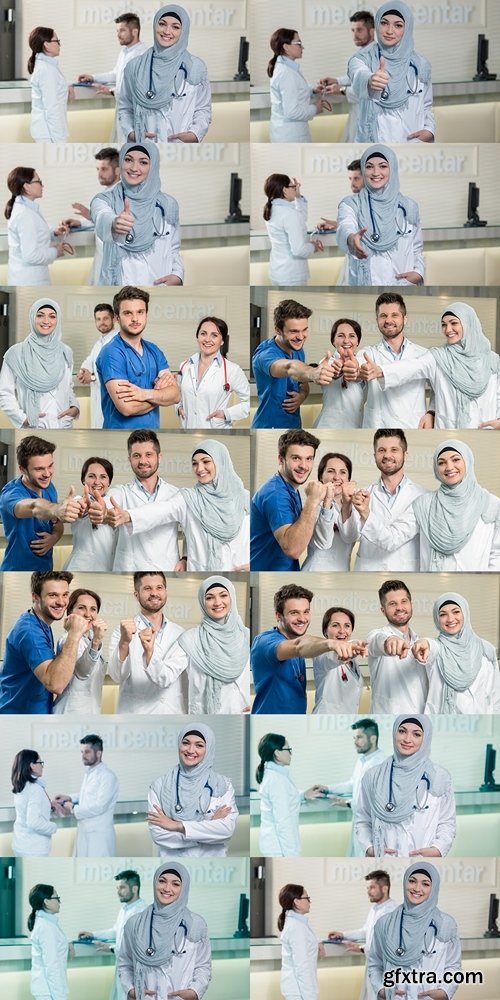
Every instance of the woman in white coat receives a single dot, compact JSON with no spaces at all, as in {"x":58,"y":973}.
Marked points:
{"x":165,"y":93}
{"x":49,"y":945}
{"x":464,"y":676}
{"x":338,"y":683}
{"x":280,"y":799}
{"x":285,"y":214}
{"x":415,"y":937}
{"x":84,"y":691}
{"x":93,"y":549}
{"x":32,"y":245}
{"x":335,"y":469}
{"x":192,"y":808}
{"x":165,"y":950}
{"x":300,"y":948}
{"x":379,"y":227}
{"x":342,"y":401}
{"x":218,"y":651}
{"x":406,"y":804}
{"x":33,"y":829}
{"x":49,"y":89}
{"x":292,"y":106}
{"x":36,"y":379}
{"x":207,"y":381}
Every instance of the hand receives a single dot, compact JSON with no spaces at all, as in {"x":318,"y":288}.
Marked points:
{"x":47,"y":541}
{"x":70,"y":509}
{"x":329,"y":495}
{"x":130,"y":393}
{"x":380,"y":78}
{"x":84,"y":377}
{"x":337,"y":800}
{"x":181,"y":412}
{"x":390,"y":850}
{"x":156,"y":817}
{"x":71,"y":94}
{"x":71,"y":951}
{"x":434,"y":994}
{"x":354,"y":244}
{"x":85,"y":78}
{"x":84,"y":934}
{"x":326,"y":81}
{"x":318,"y":246}
{"x":128,"y":628}
{"x":64,"y":248}
{"x":370,"y":853}
{"x":165,"y":380}
{"x":243,"y":568}
{"x":102,"y":946}
{"x":412,"y":276}
{"x":116,"y":516}
{"x":348,"y":490}
{"x":62,"y":228}
{"x":350,"y":365}
{"x":182,"y":137}
{"x":292,"y":404}
{"x":147,"y":640}
{"x":99,"y":628}
{"x":423,"y":134}
{"x":81,"y":210}
{"x":96,"y":508}
{"x":315,"y":490}
{"x":396,"y":647}
{"x":369,"y":370}
{"x":420,"y":650}
{"x":426,"y":423}
{"x":184,"y":994}
{"x":335,"y":934}
{"x":323,"y":105}
{"x":361,"y":501}
{"x":131,"y":137}
{"x":495,"y":424}
{"x":325,"y":372}
{"x":169,"y":279}
{"x":352,"y":946}
{"x":76,"y":625}
{"x":180,"y":566}
{"x":101,"y":88}
{"x":218,"y":415}
{"x":321,"y":951}
{"x":124,"y":222}
{"x":313,"y":793}
{"x":220,"y":813}
{"x":326,"y":224}
{"x":424,"y":852}
{"x":70,"y":412}
{"x":131,"y":993}
{"x":344,"y":650}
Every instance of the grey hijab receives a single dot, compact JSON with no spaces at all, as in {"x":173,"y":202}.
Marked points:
{"x":39,"y":362}
{"x":469,"y":363}
{"x":184,"y":789}
{"x":406,"y":926}
{"x":459,"y":656}
{"x":220,"y":506}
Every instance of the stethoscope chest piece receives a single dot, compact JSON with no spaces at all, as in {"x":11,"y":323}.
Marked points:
{"x":150,"y":952}
{"x":150,"y":94}
{"x":178,"y":808}
{"x":129,"y":238}
{"x":390,"y":807}
{"x":375,"y":237}
{"x":400,"y":952}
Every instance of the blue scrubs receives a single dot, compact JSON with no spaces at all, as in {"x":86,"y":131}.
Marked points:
{"x":280,"y":686}
{"x":29,"y":643}
{"x":120,"y":360}
{"x":272,"y":392}
{"x":19,"y":532}
{"x":275,"y":504}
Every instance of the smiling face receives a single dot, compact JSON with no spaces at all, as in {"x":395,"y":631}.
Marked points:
{"x":335,"y":472}
{"x":451,"y":328}
{"x":293,"y":335}
{"x":217,"y":602}
{"x":418,"y":888}
{"x":192,"y":750}
{"x":408,"y":739}
{"x":451,"y":618}
{"x":345,"y":339}
{"x":391,"y":29}
{"x":45,"y":321}
{"x":97,"y":479}
{"x":339,"y":627}
{"x":377,"y":172}
{"x":390,"y":320}
{"x":168,"y":888}
{"x":296,"y":466}
{"x":151,"y":592}
{"x":87,"y":608}
{"x":168,"y":31}
{"x":39,"y":471}
{"x":296,"y":617}
{"x":389,"y":455}
{"x":203,"y":467}
{"x":135,"y":167}
{"x":397,"y":608}
{"x":451,"y":468}
{"x":209,"y":339}
{"x":104,"y":321}
{"x":144,"y":459}
{"x":53,"y":601}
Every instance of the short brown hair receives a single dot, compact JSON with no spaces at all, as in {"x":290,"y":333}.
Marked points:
{"x":38,"y":579}
{"x":297,"y":436}
{"x":380,"y":876}
{"x":289,"y":592}
{"x":108,"y":153}
{"x":390,"y":299}
{"x":148,"y":572}
{"x":129,"y":292}
{"x":131,"y":19}
{"x":390,"y":432}
{"x":289,"y":309}
{"x":141,"y":436}
{"x":30,"y":446}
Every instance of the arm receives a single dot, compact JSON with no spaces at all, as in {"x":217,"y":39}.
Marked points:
{"x":87,"y":657}
{"x":494,"y":559}
{"x":280,"y":809}
{"x":166,"y":665}
{"x":362,"y":819}
{"x":300,"y":244}
{"x":408,"y":371}
{"x":125,"y":960}
{"x":324,"y":530}
{"x":241,"y":386}
{"x":202,"y":973}
{"x":447,"y":825}
{"x":125,"y":107}
{"x":375,"y":964}
{"x":119,"y":664}
{"x":68,"y":511}
{"x":210,"y":831}
{"x":303,"y":969}
{"x":453,"y":963}
{"x":56,"y":674}
{"x":322,"y":374}
{"x":33,"y":250}
{"x":347,"y":225}
{"x":8,"y":398}
{"x":103,"y":798}
{"x":53,"y":108}
{"x":295,"y":108}
{"x":294,"y":538}
{"x":54,"y":969}
{"x":391,"y":536}
{"x":129,"y":407}
{"x":35,"y":819}
{"x":175,"y":265}
{"x":202,"y":115}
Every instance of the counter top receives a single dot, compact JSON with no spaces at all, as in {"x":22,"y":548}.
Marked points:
{"x":260,"y":97}
{"x":269,"y":950}
{"x":19,"y":950}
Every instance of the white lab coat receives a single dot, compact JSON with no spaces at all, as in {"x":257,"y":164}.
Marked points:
{"x":404,"y":406}
{"x":233,"y":554}
{"x":190,"y":111}
{"x":337,"y":557}
{"x":157,"y":688}
{"x":481,"y":698}
{"x":290,"y":244}
{"x":479,"y":555}
{"x":95,"y":803}
{"x":333,"y":694}
{"x":365,"y":934}
{"x":395,"y":124}
{"x":157,"y":548}
{"x":446,"y":956}
{"x":13,"y":400}
{"x":144,"y":268}
{"x":114,"y":79}
{"x":49,"y":958}
{"x":299,"y":958}
{"x":49,"y":100}
{"x":93,"y":549}
{"x":292,"y":104}
{"x":433,"y":825}
{"x":372,"y":554}
{"x":30,"y":249}
{"x":84,"y":691}
{"x":33,"y":831}
{"x":96,"y":417}
{"x":342,"y":407}
{"x":115,"y":934}
{"x":203,"y":838}
{"x":352,"y":789}
{"x":397,"y":685}
{"x":280,"y":801}
{"x":198,"y":399}
{"x":485,"y":407}
{"x":405,"y":255}
{"x":192,"y":969}
{"x":235,"y":696}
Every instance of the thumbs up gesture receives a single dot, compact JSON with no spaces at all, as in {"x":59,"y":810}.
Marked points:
{"x":369,"y":370}
{"x":324,"y":373}
{"x":117,"y":516}
{"x":350,"y":368}
{"x":124,"y":222}
{"x":70,"y":508}
{"x":97,"y":509}
{"x":379,"y":80}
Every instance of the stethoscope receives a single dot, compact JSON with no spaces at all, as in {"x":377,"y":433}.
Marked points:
{"x":420,"y":806}
{"x":178,"y":804}
{"x":425,"y":951}
{"x":160,"y":230}
{"x":151,"y":93}
{"x":411,"y":90}
{"x":402,"y":230}
{"x":150,"y":951}
{"x":226,"y":386}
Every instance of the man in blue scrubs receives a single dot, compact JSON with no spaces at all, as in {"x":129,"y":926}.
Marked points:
{"x":31,"y":515}
{"x":278,"y":655}
{"x":280,"y":371}
{"x":280,"y":528}
{"x":32,"y":674}
{"x":134,"y":373}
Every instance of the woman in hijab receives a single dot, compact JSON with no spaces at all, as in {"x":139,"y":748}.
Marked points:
{"x":165,"y":94}
{"x":406,"y":804}
{"x":36,"y":381}
{"x":192,"y":808}
{"x":464,"y":372}
{"x":392,"y":82}
{"x":379,"y":228}
{"x":218,"y":650}
{"x":300,"y":948}
{"x":138,"y":223}
{"x":416,"y":935}
{"x":285,"y":214}
{"x":165,"y":950}
{"x":458,"y":524}
{"x":464,"y":677}
{"x":213,"y":514}
{"x":33,"y":829}
{"x":280,"y":799}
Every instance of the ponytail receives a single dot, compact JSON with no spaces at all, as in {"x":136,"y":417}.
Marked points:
{"x":271,"y":66}
{"x":259,"y":774}
{"x":266,"y":750}
{"x":279,"y":38}
{"x":281,"y":920}
{"x":9,"y":206}
{"x":38,"y":894}
{"x":287,"y":896}
{"x":36,"y":42}
{"x":16,"y":180}
{"x":31,"y":919}
{"x":273,"y":188}
{"x":268,"y":207}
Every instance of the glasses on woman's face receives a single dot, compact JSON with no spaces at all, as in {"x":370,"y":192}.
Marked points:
{"x":36,"y":180}
{"x":306,"y":897}
{"x":57,"y":40}
{"x":42,"y":762}
{"x":56,"y":897}
{"x":289,"y":749}
{"x":297,"y":42}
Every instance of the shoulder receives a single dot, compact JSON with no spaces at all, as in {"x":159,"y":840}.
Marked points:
{"x":269,"y":639}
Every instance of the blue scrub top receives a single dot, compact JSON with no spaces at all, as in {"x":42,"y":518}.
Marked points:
{"x":273,"y":391}
{"x":119,"y":359}
{"x":19,"y":532}
{"x":29,"y":643}
{"x":275,"y":504}
{"x":280,"y":686}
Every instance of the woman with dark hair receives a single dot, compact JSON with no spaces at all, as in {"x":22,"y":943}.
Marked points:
{"x":285,"y":214}
{"x":342,"y":400}
{"x":280,"y":799}
{"x":31,"y":242}
{"x":338,"y":683}
{"x":93,"y":548}
{"x":165,"y":950}
{"x":49,"y":945}
{"x":84,"y":691}
{"x":33,"y":830}
{"x":292,"y":106}
{"x":300,"y":948}
{"x":49,"y":88}
{"x":192,"y":808}
{"x":335,"y":470}
{"x":208,"y":380}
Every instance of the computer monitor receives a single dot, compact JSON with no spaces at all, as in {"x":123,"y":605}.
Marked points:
{"x":482,"y":60}
{"x":243,"y":54}
{"x":492,"y":931}
{"x":243,"y":912}
{"x":235,"y":190}
{"x":472,"y":207}
{"x":489,"y":784}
